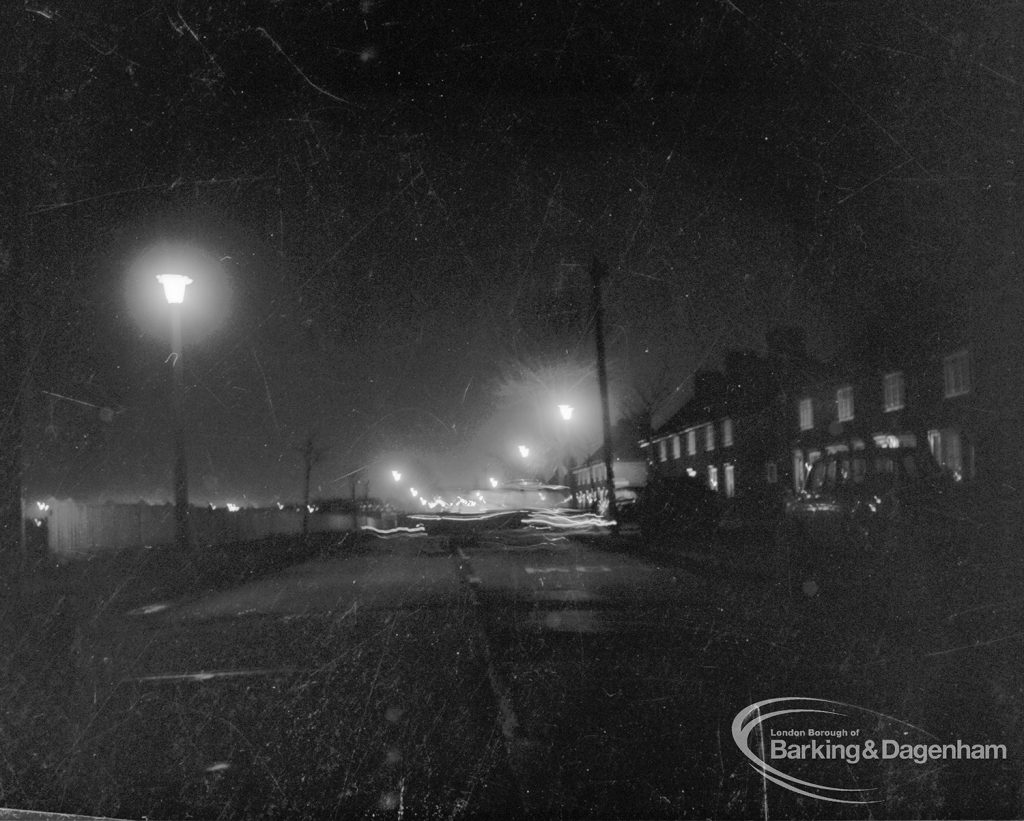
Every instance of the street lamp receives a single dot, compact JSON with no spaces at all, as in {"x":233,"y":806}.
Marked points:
{"x":566,"y":411}
{"x":524,"y":451}
{"x":396,"y":475}
{"x":174,"y":291}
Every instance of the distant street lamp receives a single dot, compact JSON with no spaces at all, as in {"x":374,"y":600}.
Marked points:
{"x":524,"y":451}
{"x":566,"y":411}
{"x":174,"y":291}
{"x":396,"y":475}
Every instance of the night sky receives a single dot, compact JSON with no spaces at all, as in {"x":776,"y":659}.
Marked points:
{"x":405,"y":199}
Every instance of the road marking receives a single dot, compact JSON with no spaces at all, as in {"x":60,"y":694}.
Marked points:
{"x":212,"y":674}
{"x":147,"y":610}
{"x":507,"y":719}
{"x":38,"y":815}
{"x":580,"y":568}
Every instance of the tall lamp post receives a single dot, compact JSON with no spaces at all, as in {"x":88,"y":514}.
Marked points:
{"x":174,"y":291}
{"x":597,"y":273}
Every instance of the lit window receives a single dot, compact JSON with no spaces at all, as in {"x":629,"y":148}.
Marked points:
{"x":691,"y":442}
{"x":893,"y":391}
{"x":947,"y":447}
{"x":676,"y":447}
{"x":726,"y":433}
{"x":709,"y":434}
{"x":956,"y":373}
{"x":713,"y":477}
{"x":663,"y":450}
{"x":771,"y":472}
{"x":844,"y":403}
{"x":730,"y":481}
{"x":806,"y":414}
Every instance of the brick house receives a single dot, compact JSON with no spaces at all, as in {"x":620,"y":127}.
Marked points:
{"x":736,"y":430}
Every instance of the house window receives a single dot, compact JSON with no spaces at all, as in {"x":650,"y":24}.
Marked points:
{"x":806,"y":414}
{"x":730,"y":480}
{"x":799,"y":470}
{"x":947,"y":447}
{"x":663,"y":450}
{"x":893,"y":391}
{"x":691,"y":442}
{"x":844,"y":403}
{"x":953,"y":455}
{"x":956,"y":372}
{"x":771,"y":472}
{"x":727,"y":433}
{"x":676,"y":448}
{"x":713,"y":477}
{"x":709,"y":437}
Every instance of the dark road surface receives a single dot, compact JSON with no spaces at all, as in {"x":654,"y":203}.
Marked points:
{"x":513,"y":673}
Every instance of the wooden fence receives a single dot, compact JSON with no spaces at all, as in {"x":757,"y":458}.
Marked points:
{"x":75,"y":528}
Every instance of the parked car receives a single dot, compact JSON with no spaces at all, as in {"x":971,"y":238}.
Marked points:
{"x":875,"y":513}
{"x":677,"y":508}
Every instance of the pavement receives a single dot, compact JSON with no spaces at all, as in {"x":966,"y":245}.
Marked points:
{"x":516,"y":673}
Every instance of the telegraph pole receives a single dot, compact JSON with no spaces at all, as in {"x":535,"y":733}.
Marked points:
{"x":597,"y":273}
{"x":18,"y":118}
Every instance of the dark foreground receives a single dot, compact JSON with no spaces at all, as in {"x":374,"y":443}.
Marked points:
{"x":512,"y":673}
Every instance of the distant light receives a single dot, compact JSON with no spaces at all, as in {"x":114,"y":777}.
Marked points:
{"x":311,"y":508}
{"x":691,"y":472}
{"x":493,"y":481}
{"x":174,"y":286}
{"x":280,"y":506}
{"x":396,"y":475}
{"x":566,"y":411}
{"x":232,"y":507}
{"x":42,"y":506}
{"x":524,"y":451}
{"x":413,"y":492}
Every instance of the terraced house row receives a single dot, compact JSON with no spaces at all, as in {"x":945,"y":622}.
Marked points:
{"x":752,"y":430}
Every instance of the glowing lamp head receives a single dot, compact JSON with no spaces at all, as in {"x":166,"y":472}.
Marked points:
{"x":174,"y":287}
{"x":524,"y":451}
{"x":396,"y":475}
{"x":493,"y":481}
{"x":413,"y":492}
{"x":566,"y":411}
